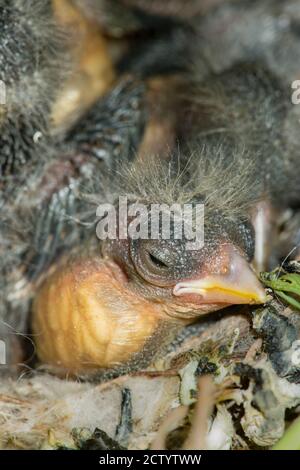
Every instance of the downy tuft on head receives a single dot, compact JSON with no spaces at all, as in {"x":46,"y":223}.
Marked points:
{"x":225,"y":186}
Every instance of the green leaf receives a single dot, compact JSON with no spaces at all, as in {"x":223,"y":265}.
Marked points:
{"x":290,"y":300}
{"x":291,"y":438}
{"x":283,"y":284}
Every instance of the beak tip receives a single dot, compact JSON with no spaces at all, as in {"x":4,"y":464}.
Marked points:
{"x":261,"y":297}
{"x":239,"y":285}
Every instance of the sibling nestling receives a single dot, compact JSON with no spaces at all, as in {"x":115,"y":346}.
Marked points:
{"x":32,"y":63}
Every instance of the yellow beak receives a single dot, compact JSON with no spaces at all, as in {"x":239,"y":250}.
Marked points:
{"x":237,"y":284}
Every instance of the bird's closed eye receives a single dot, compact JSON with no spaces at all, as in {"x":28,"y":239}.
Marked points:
{"x":153,"y":262}
{"x":158,"y":263}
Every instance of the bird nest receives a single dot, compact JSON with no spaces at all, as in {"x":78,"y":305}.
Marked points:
{"x":230,"y":383}
{"x":231,"y":379}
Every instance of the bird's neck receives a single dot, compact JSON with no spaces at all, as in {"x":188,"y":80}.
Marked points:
{"x":86,"y":317}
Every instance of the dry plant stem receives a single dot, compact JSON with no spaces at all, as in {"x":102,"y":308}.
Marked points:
{"x":253,"y":350}
{"x":202,"y":412}
{"x":196,"y":439}
{"x":172,"y":421}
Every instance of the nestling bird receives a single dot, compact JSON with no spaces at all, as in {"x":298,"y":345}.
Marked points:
{"x":31,"y":47}
{"x":101,"y":305}
{"x":40,"y":172}
{"x":134,"y":293}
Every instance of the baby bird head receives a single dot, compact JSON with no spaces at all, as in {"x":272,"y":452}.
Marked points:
{"x":195,"y":265}
{"x":191,"y":282}
{"x":109,"y":307}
